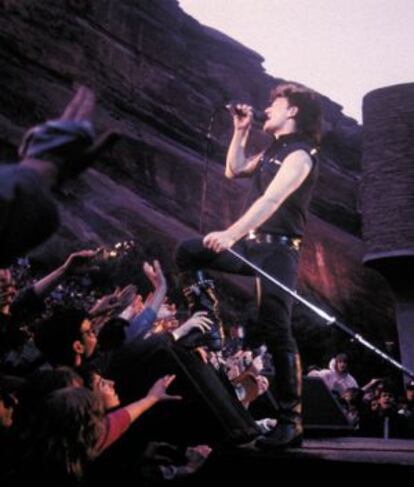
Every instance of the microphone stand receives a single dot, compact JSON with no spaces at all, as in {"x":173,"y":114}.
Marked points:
{"x":329,"y":320}
{"x":205,"y":170}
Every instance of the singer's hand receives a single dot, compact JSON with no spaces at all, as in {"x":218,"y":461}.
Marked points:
{"x":242,"y":116}
{"x":219,"y":241}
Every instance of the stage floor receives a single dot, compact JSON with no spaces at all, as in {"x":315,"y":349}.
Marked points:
{"x":375,"y":450}
{"x":323,"y":460}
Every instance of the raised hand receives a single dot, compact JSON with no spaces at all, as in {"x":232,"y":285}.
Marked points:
{"x":80,"y":261}
{"x":81,"y":106}
{"x":62,"y":148}
{"x":242,"y":116}
{"x":218,"y":241}
{"x":158,"y":391}
{"x":198,"y":321}
{"x":155,"y":274}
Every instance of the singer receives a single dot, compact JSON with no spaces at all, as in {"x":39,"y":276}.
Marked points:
{"x":269,"y":233}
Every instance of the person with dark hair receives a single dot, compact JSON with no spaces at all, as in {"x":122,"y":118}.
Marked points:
{"x":7,"y":406}
{"x":8,"y":403}
{"x":101,"y":386}
{"x":66,"y":337}
{"x":33,"y":393}
{"x":270,"y":233}
{"x":23,"y":307}
{"x":72,"y":430}
{"x":407,"y":406}
{"x":384,"y":420}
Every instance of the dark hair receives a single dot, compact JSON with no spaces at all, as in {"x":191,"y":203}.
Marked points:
{"x":342,"y":357}
{"x":67,"y":432}
{"x":112,"y":334}
{"x":7,"y":398}
{"x":309,"y":116}
{"x":39,"y":385}
{"x":87,"y":372}
{"x":387,"y":390}
{"x":44,"y":381}
{"x":356,"y":394}
{"x":56,"y":335}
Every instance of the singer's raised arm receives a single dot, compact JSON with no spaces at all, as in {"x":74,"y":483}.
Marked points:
{"x":237,"y":164}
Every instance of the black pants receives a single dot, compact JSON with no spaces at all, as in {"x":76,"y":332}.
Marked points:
{"x":275,"y":306}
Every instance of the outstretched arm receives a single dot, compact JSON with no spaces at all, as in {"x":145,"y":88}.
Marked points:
{"x":75,"y":262}
{"x":155,"y":274}
{"x":141,"y":324}
{"x":291,"y":175}
{"x":157,"y":393}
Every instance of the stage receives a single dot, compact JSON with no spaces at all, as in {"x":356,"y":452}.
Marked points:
{"x":324,"y":460}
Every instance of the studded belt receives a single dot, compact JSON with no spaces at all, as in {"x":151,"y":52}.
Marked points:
{"x":261,"y":237}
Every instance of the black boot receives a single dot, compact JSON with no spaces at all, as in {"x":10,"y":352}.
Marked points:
{"x":201,"y":296}
{"x":288,"y":391}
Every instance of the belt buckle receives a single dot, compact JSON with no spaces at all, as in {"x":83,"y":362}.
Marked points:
{"x":296,"y":243}
{"x":293,"y":243}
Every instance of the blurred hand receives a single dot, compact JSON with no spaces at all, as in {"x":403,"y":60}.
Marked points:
{"x":106,"y":304}
{"x":158,"y":391}
{"x":126,"y":295}
{"x":198,"y":321}
{"x":257,"y":365}
{"x":219,"y":241}
{"x":80,"y":108}
{"x":7,"y":289}
{"x":233,"y":372}
{"x":59,"y":163}
{"x":197,"y":455}
{"x":203,"y":354}
{"x":155,"y":274}
{"x":80,"y":261}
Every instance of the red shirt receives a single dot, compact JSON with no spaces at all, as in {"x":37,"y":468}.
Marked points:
{"x":116,"y":424}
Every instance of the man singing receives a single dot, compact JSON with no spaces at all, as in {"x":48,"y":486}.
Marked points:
{"x":270,"y":232}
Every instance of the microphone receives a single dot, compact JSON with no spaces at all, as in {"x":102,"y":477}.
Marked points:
{"x":259,"y":116}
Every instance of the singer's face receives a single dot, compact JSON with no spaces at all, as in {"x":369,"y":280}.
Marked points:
{"x":278,"y":113}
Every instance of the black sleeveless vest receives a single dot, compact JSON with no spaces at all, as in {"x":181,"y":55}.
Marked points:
{"x":290,"y":218}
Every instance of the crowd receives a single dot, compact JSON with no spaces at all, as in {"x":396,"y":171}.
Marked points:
{"x":374,"y":409}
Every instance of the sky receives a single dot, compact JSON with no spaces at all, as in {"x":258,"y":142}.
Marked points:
{"x":340,"y":48}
